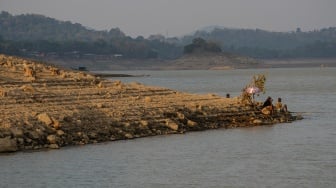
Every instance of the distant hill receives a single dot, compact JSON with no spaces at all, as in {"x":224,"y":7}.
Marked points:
{"x":32,"y":27}
{"x":37,"y":35}
{"x":267,"y":44}
{"x":33,"y":35}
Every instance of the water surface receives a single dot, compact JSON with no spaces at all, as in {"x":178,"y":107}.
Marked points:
{"x":299,"y":154}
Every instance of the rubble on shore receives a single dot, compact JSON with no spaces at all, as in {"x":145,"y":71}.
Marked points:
{"x":43,"y":107}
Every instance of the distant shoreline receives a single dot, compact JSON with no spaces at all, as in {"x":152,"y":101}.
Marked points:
{"x":195,"y":62}
{"x":302,"y":62}
{"x":108,"y":75}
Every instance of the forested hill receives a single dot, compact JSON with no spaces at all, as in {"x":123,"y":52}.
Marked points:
{"x":266,"y":44}
{"x":32,"y":34}
{"x":32,"y":27}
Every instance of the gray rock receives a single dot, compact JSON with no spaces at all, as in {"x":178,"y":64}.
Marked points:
{"x":92,"y":135}
{"x":34,"y":135}
{"x":18,"y":133}
{"x":20,"y":141}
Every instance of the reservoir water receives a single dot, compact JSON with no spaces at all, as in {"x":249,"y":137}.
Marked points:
{"x":298,"y":154}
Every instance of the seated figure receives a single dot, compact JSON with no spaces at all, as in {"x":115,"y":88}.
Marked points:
{"x":280,"y":107}
{"x":267,"y":107}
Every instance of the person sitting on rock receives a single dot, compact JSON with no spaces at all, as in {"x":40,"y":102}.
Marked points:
{"x":267,"y":107}
{"x":280,"y":107}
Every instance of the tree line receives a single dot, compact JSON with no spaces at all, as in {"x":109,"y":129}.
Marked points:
{"x":31,"y":33}
{"x":265,"y":44}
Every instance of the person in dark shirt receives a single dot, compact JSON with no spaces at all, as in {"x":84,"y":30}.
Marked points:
{"x":267,"y":107}
{"x":268,"y":102}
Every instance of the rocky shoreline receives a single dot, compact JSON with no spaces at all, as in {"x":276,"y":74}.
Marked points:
{"x":43,"y":106}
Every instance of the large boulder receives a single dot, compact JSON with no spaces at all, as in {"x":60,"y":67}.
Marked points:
{"x":8,"y":145}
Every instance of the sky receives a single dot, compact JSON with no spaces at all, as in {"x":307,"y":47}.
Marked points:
{"x":180,"y":17}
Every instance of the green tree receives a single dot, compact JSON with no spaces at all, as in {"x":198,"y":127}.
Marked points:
{"x":201,"y":45}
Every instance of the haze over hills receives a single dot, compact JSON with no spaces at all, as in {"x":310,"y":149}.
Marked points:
{"x":30,"y":33}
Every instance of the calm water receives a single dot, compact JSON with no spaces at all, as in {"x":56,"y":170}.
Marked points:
{"x":300,"y":154}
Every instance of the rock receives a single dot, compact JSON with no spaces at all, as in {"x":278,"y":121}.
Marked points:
{"x":117,"y":83}
{"x":79,"y":122}
{"x":148,"y":99}
{"x":17,"y":133}
{"x":41,"y":133}
{"x":54,"y":71}
{"x":127,"y":124}
{"x":3,"y":93}
{"x":101,"y":85}
{"x":54,"y":146}
{"x":20,"y":141}
{"x":56,"y":124}
{"x":28,"y":88}
{"x":257,"y":121}
{"x":60,"y":133}
{"x":299,"y":117}
{"x":129,"y":136}
{"x":64,"y":75}
{"x":85,"y":138}
{"x":171,"y":124}
{"x":200,"y":107}
{"x":29,"y":71}
{"x":100,"y":105}
{"x":28,"y":140}
{"x":28,"y":147}
{"x":180,"y":115}
{"x":8,"y":145}
{"x":45,"y":118}
{"x":52,"y":139}
{"x":30,"y":79}
{"x":5,"y":131}
{"x":144,"y":124}
{"x":34,"y":135}
{"x":192,"y":123}
{"x":92,"y":135}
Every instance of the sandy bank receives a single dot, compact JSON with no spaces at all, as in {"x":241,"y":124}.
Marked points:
{"x":43,"y":106}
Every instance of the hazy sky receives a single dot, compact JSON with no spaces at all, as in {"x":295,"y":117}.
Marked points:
{"x":179,"y":17}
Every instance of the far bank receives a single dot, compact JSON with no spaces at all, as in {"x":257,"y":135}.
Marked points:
{"x":201,"y":62}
